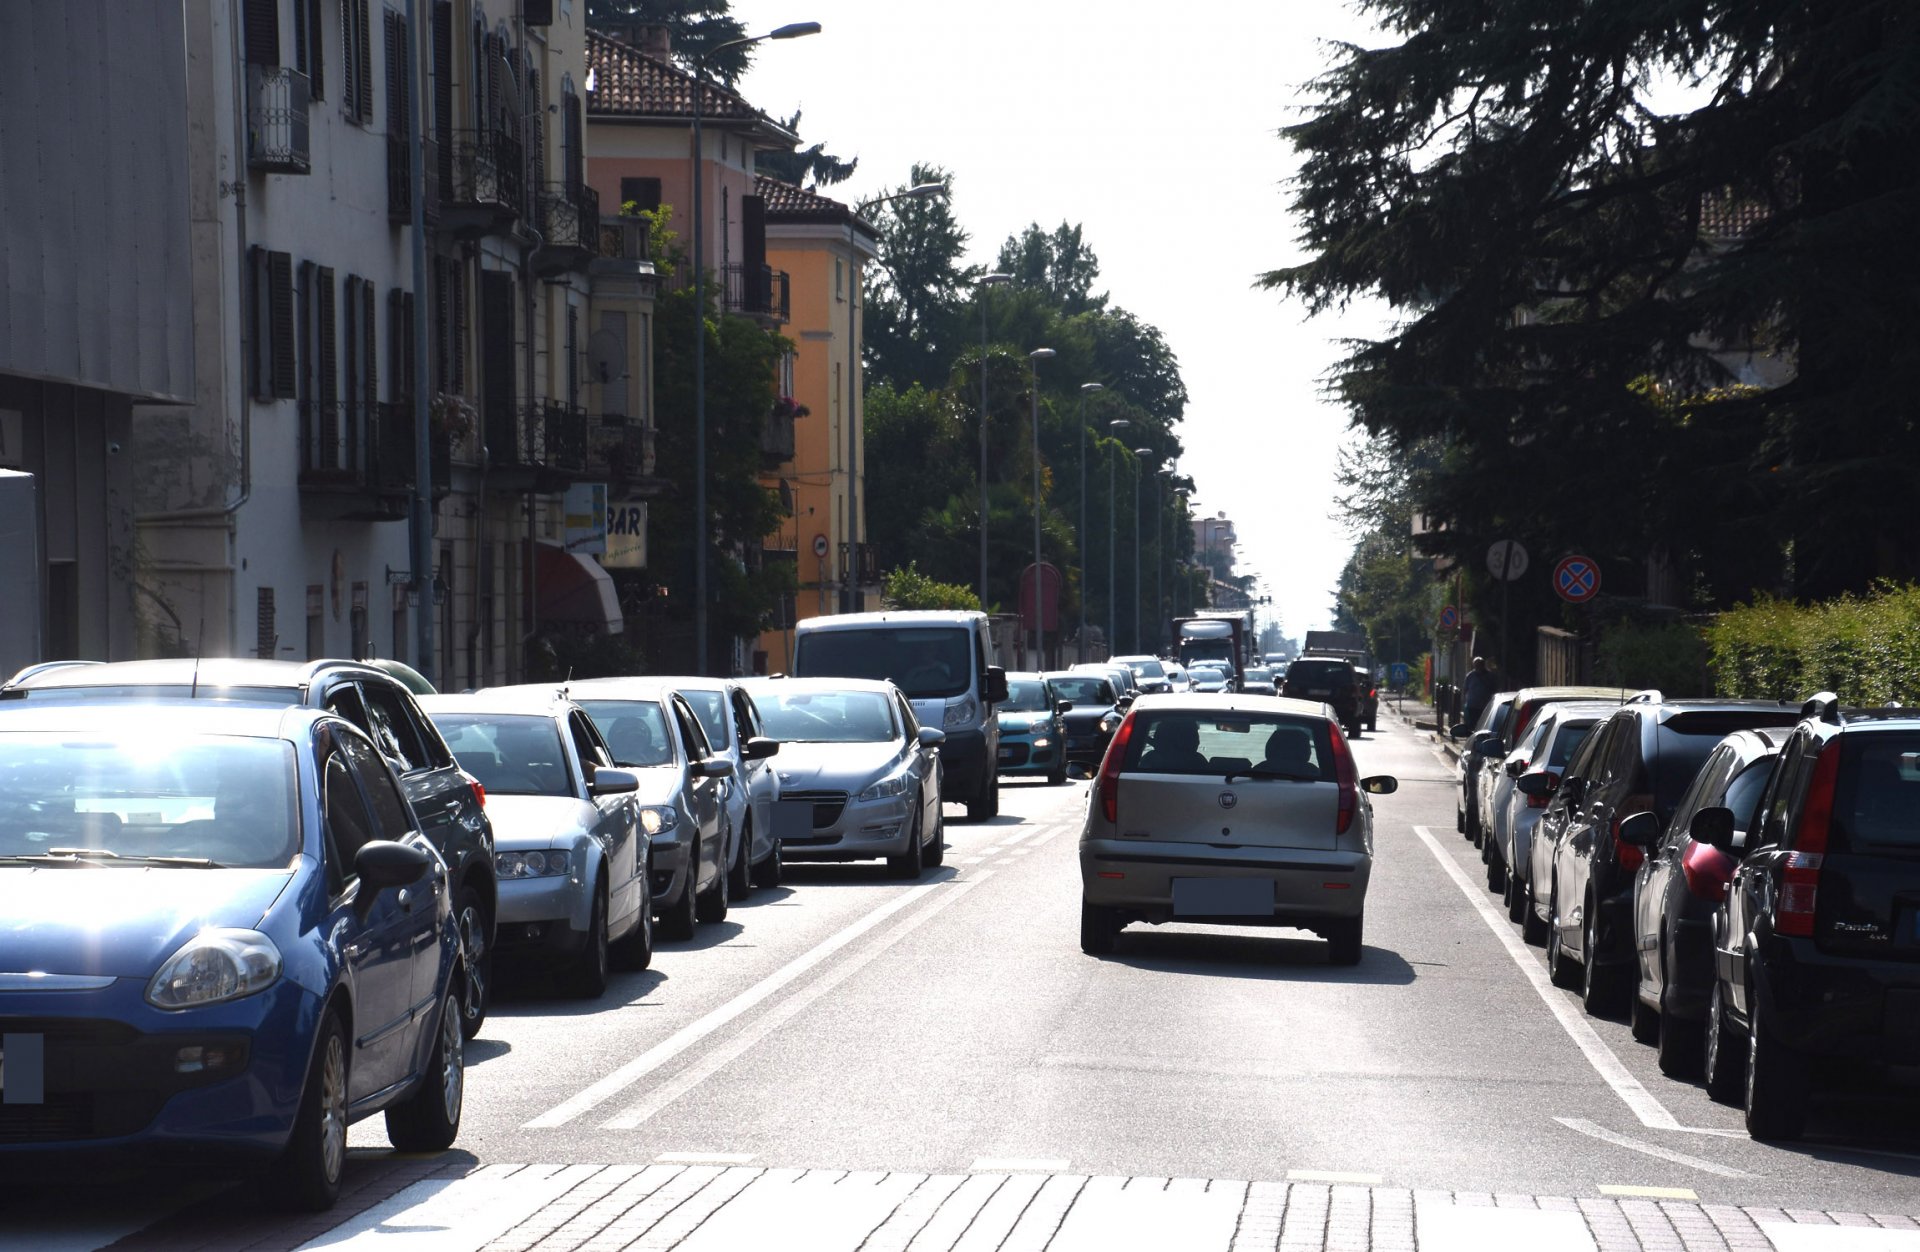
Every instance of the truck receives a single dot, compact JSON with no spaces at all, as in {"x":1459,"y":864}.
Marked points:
{"x":1343,"y":643}
{"x":1217,"y":635}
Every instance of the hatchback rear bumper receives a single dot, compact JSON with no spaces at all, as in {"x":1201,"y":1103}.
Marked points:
{"x":1841,"y":1007}
{"x":1310,"y":886}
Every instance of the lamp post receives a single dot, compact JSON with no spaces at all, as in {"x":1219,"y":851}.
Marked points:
{"x":1160,"y":555}
{"x":1140,"y":458}
{"x":1117,"y":425}
{"x":791,"y":31}
{"x":850,"y":587}
{"x":985,"y":281}
{"x":1033,"y":388}
{"x":1086,"y":389}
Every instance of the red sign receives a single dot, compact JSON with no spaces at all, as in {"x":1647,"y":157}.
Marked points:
{"x":1049,"y":598}
{"x":1576,"y":579}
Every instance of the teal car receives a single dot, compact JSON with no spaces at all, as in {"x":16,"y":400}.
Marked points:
{"x":1032,"y":736}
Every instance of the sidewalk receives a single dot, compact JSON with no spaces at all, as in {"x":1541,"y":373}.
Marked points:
{"x":1423,"y":719}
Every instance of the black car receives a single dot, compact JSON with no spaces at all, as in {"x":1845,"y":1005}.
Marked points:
{"x":1640,"y":761}
{"x":1327,"y":680}
{"x":451,"y":805}
{"x":1368,"y":692}
{"x":1095,"y":714}
{"x":1486,"y":742}
{"x":1817,"y":949}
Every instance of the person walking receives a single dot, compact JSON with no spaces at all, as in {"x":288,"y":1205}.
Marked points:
{"x":1478,"y":692}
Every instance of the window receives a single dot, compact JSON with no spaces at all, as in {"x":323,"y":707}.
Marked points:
{"x":839,"y":279}
{"x":390,"y":816}
{"x":391,"y":724}
{"x":262,"y":32}
{"x":400,"y":342}
{"x":1262,"y":745}
{"x":690,"y":733}
{"x":511,"y":754}
{"x":635,"y":731}
{"x":572,"y":152}
{"x":830,"y":716}
{"x":356,"y":61}
{"x":344,"y":701}
{"x":399,"y":48}
{"x":588,"y":745}
{"x":309,"y":44}
{"x":709,"y":707}
{"x":642,"y":193}
{"x":349,"y":824}
{"x":273,"y":360}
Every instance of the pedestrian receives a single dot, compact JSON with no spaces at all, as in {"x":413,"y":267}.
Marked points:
{"x":1478,"y":691}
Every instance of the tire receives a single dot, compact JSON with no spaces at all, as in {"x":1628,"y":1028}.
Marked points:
{"x":1681,"y":1043}
{"x":588,"y":975}
{"x":769,"y":871}
{"x":1601,"y":989}
{"x":710,"y":907}
{"x":1778,"y":1085}
{"x":634,"y":950}
{"x":1723,"y":1055}
{"x":1496,"y":874}
{"x":680,"y":918}
{"x":1532,"y":929}
{"x":1098,"y":929}
{"x":1560,"y":966}
{"x":986,"y":806}
{"x":741,"y":873}
{"x":936,"y":853}
{"x":429,"y":1119}
{"x":907,"y":864}
{"x":475,"y":920}
{"x":1057,"y":776}
{"x":1460,"y":820}
{"x":1642,"y":1018}
{"x":1344,"y":940}
{"x":1373,"y":724}
{"x":1513,"y":895}
{"x":306,"y":1177}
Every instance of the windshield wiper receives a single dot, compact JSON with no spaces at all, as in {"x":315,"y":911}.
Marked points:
{"x":83,"y":855}
{"x":1284,"y":776}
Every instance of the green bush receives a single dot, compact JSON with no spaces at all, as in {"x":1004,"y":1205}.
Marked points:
{"x":1671,"y":657}
{"x":1865,"y":649}
{"x":910,"y":589}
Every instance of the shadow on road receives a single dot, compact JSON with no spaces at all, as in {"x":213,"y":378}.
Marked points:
{"x":533,"y":992}
{"x":1283,"y":957}
{"x":858,"y":874}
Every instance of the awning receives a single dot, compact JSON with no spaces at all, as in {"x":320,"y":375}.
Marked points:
{"x":575,"y":590}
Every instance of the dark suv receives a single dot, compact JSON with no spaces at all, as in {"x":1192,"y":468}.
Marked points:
{"x":1817,"y":950}
{"x":1327,"y":680}
{"x":450,"y":805}
{"x":1639,"y":761}
{"x":1095,"y":714}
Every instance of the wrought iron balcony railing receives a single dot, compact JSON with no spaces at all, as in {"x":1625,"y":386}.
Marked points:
{"x":277,"y":126}
{"x":758,"y":291}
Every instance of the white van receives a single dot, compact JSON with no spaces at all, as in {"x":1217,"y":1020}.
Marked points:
{"x":944,"y":663}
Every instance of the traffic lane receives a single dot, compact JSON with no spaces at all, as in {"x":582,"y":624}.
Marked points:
{"x":1863,"y":1146}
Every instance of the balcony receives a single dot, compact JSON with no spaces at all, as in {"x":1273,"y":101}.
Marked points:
{"x":759,"y":291}
{"x":624,"y":239}
{"x":362,"y":457}
{"x":400,"y":181}
{"x":568,"y":219}
{"x":277,"y":100}
{"x":539,"y":449}
{"x":483,"y":196}
{"x":621,"y":450}
{"x":776,"y":440}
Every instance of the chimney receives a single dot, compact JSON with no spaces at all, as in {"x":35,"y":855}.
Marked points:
{"x":656,"y":41}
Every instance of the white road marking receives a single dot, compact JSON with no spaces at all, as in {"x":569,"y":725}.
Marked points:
{"x":1805,"y":1237}
{"x":1632,"y":1093}
{"x":1648,"y":1193}
{"x":1590,"y":1129}
{"x":820,"y":1211}
{"x":970,"y":860}
{"x":693,"y":1032}
{"x":1109,"y":1217}
{"x":781,"y":1013}
{"x":1334,"y":1175}
{"x":703,"y":1158}
{"x":1019,"y":1165}
{"x":1479,"y":1228}
{"x":454,"y":1214}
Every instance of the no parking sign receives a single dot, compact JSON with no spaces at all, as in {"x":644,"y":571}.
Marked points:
{"x":1576,"y":579}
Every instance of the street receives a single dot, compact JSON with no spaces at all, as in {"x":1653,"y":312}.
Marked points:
{"x":939,"y":1063}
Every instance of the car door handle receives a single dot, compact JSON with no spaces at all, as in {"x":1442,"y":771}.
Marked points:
{"x":453,"y":806}
{"x":405,"y":899}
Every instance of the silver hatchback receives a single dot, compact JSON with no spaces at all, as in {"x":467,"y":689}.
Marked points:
{"x":1229,"y":810}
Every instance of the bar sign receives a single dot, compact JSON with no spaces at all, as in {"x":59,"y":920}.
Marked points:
{"x":23,"y":1069}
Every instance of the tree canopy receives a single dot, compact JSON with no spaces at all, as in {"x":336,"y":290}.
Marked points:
{"x":695,"y":27}
{"x":812,"y":164}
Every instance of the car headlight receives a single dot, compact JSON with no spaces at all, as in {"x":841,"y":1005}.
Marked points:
{"x":1041,"y":741}
{"x":1040,"y":723}
{"x":961,"y":715}
{"x":213,"y":966}
{"x":1109,"y":724}
{"x":893,"y":784}
{"x":655,"y":818}
{"x":540,"y":864}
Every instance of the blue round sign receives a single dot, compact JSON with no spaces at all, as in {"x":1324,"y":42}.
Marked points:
{"x":1576,"y":579}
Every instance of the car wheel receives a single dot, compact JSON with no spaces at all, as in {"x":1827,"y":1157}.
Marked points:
{"x":986,"y":805}
{"x":1496,"y":872}
{"x":936,"y":854}
{"x":1777,"y":1084}
{"x":1560,"y":966}
{"x":1344,"y":940}
{"x":1642,"y":1018}
{"x":589,"y":974}
{"x":476,"y":958}
{"x":679,"y":918}
{"x":1373,"y":724}
{"x":634,"y":951}
{"x":769,"y":871}
{"x":1459,"y":819}
{"x":1057,"y":776}
{"x":307,"y":1175}
{"x":1681,"y":1042}
{"x":1514,"y":897}
{"x":907,"y":864}
{"x":1532,"y":928}
{"x":711,"y":905}
{"x":1723,"y":1054}
{"x":1600,"y":986}
{"x":429,"y":1119}
{"x":741,"y":871}
{"x":1098,"y":929}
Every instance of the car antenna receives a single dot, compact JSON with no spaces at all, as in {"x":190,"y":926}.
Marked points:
{"x":199,"y":642}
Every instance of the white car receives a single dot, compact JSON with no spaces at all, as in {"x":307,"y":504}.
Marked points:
{"x":1206,"y":679}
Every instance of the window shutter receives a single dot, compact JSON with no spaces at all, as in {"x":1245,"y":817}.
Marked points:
{"x":262,"y":19}
{"x":369,"y":347}
{"x":302,"y":42}
{"x":409,"y":346}
{"x":576,"y":151}
{"x":536,"y":130}
{"x":259,"y":312}
{"x":440,"y":330}
{"x":364,"y":77}
{"x":399,"y":102}
{"x":491,"y":58}
{"x":443,"y":89}
{"x":351,"y":336}
{"x":460,"y":325}
{"x":280,"y":323}
{"x":496,"y":361}
{"x":265,"y":636}
{"x":329,"y":425}
{"x":316,"y":50}
{"x":349,"y":89}
{"x":304,"y":331}
{"x":396,"y":346}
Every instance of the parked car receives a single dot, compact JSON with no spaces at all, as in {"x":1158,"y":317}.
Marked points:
{"x":1555,"y":736}
{"x":652,"y":730}
{"x":240,"y":939}
{"x":1177,"y":680}
{"x":1258,"y":681}
{"x":1528,"y":701}
{"x":1033,"y":729}
{"x":1815,"y":949}
{"x":732,"y":724}
{"x":1676,"y":890}
{"x":1485,"y":742}
{"x":1640,"y":761}
{"x":1095,"y":713}
{"x":1327,"y":680}
{"x":1229,"y":810}
{"x":569,"y":848}
{"x":1495,"y":784}
{"x":860,"y":778}
{"x":1149,"y":675}
{"x":943,"y":662}
{"x":452,"y":809}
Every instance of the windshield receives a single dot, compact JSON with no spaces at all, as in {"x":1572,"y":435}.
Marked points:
{"x":708,"y":707}
{"x":926,"y":662}
{"x":1082,"y":689}
{"x":1267,"y":745}
{"x":1147,"y":669}
{"x":199,"y":800}
{"x":511,"y":754}
{"x":828,"y":716}
{"x":636,"y":731}
{"x":1026,"y":695}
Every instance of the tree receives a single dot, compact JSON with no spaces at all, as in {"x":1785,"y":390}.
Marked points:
{"x":801,"y":164}
{"x":910,"y":589}
{"x":920,"y":287}
{"x":695,"y":28}
{"x":1060,"y":264}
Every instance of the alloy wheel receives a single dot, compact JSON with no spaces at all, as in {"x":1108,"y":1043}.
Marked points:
{"x":333,"y":1105}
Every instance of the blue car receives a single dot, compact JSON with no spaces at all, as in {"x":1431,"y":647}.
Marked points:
{"x":220,"y":928}
{"x":1033,"y":739}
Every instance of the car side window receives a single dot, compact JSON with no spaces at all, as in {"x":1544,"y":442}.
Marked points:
{"x":344,"y":700}
{"x":743,"y":718}
{"x":344,"y":815}
{"x":392,"y":728}
{"x":587,"y":742}
{"x":390,"y":818}
{"x":690,"y":733}
{"x":1782,"y":799}
{"x":1706,"y":783}
{"x":907,"y":719}
{"x":1581,"y":766}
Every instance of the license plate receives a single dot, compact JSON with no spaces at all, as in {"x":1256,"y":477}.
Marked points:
{"x":793,"y":819}
{"x":1222,"y":897}
{"x":23,"y":1069}
{"x":1319,"y":691}
{"x":1006,"y":754}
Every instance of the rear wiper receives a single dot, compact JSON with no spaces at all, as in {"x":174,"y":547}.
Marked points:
{"x":1257,"y":772}
{"x":106,"y":854}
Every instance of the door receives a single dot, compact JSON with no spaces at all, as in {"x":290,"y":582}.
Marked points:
{"x":616,"y":829}
{"x":763,"y":785}
{"x":705,"y":796}
{"x":1563,"y":817}
{"x":1656,"y":878}
{"x":1230,"y":779}
{"x":433,"y":784}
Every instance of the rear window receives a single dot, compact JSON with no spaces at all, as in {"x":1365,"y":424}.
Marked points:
{"x":1687,"y":739}
{"x":1083,"y":689}
{"x":1213,"y":743}
{"x":1319,"y":674}
{"x":1565,"y":741}
{"x":512,"y":754}
{"x":926,"y":662}
{"x":1876,"y":800}
{"x":1147,"y":669}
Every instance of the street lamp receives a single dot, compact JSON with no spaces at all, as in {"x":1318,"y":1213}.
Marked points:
{"x":1033,"y":387}
{"x":1086,"y":389}
{"x":1115,"y":426}
{"x":985,"y":281}
{"x":793,"y":30}
{"x":1160,"y":554}
{"x":1141,"y":457}
{"x":850,"y":588}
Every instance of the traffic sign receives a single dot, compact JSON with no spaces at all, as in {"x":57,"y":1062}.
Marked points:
{"x":1449,"y":618}
{"x":820,"y":545}
{"x":1506,"y":559}
{"x":1398,"y":673}
{"x":1576,"y":579}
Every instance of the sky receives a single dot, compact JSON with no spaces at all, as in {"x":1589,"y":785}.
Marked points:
{"x":1163,"y":147}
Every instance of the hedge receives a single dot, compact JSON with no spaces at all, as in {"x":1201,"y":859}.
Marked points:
{"x":1865,"y":649}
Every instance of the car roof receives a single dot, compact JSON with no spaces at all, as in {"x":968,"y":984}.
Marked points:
{"x":169,"y":718}
{"x":782,"y":686}
{"x":684,"y":682}
{"x":187,"y":672}
{"x":528,"y":699}
{"x":904,"y":617}
{"x":636,"y":688}
{"x":1557,"y":694}
{"x":1226,"y":702}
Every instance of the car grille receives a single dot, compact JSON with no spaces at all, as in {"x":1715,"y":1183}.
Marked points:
{"x":1014,"y":753}
{"x":827,"y":805}
{"x":1084,"y":723}
{"x":104,"y":1079}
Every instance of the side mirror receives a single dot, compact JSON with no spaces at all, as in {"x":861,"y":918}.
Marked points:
{"x":1516,"y":767}
{"x":1380,"y":785}
{"x":1458,"y":729}
{"x":1490,"y":746}
{"x":1576,"y":789}
{"x":1713,"y":827}
{"x":1123,"y":701}
{"x":996,"y":685}
{"x":931,"y":738}
{"x":1537,"y":782}
{"x":713,"y":767}
{"x":383,"y":863}
{"x":1642,"y":830}
{"x":1063,"y":706}
{"x":759,"y":748}
{"x":613,"y":782}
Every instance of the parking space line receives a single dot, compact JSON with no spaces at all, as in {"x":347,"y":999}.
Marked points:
{"x":1652,"y":1114}
{"x":1648,"y":1193}
{"x":1596,"y":1131}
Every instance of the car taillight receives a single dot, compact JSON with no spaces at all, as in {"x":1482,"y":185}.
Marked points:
{"x":1707,"y":871}
{"x":1800,"y":873}
{"x":1349,"y":779}
{"x":479,"y":792}
{"x":1110,"y":771}
{"x":1629,"y":855}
